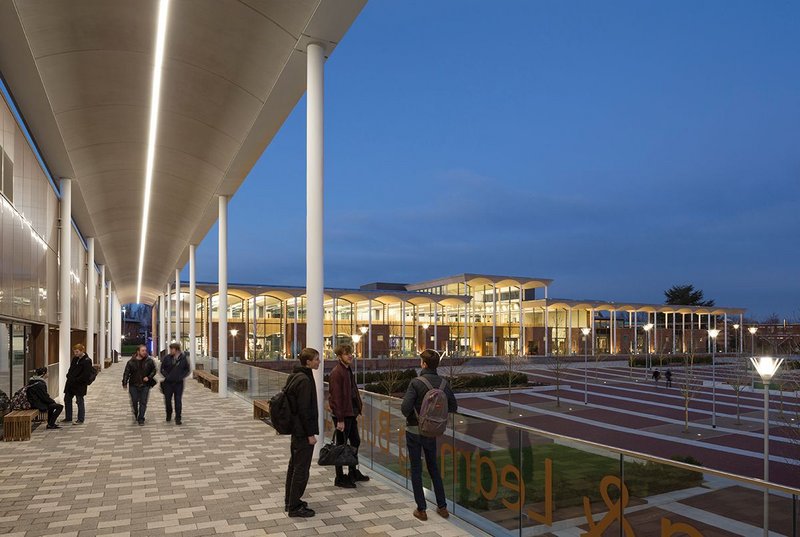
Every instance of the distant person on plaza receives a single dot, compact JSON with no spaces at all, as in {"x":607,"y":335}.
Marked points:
{"x":416,"y":443}
{"x":302,"y":393}
{"x":668,"y":376}
{"x":40,"y":399}
{"x":78,"y":378}
{"x":346,"y":405}
{"x":175,"y":368}
{"x":138,"y":378}
{"x":656,"y":376}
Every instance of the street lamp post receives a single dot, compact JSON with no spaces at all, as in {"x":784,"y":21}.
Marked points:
{"x":766,"y":367}
{"x":356,"y":338}
{"x":234,"y":332}
{"x":736,"y":328}
{"x":585,"y":332}
{"x":647,"y":328}
{"x":713,"y":333}
{"x":753,"y":330}
{"x":425,"y":336}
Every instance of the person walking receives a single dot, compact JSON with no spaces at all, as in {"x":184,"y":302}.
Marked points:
{"x":79,"y":376}
{"x":138,"y":378}
{"x":656,"y":376}
{"x":40,"y":399}
{"x":346,"y":405}
{"x":668,"y":377}
{"x":302,"y":392}
{"x":175,"y":368}
{"x":418,"y":443}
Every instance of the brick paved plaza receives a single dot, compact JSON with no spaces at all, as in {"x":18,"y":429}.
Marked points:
{"x":220,"y":473}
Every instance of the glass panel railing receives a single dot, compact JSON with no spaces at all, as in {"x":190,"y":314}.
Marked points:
{"x":509,"y":479}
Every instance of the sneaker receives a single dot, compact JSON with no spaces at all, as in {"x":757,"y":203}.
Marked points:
{"x":177,"y":421}
{"x":344,"y":483}
{"x":54,"y":426}
{"x":422,"y":515}
{"x":443,"y":512}
{"x":303,"y":512}
{"x":286,"y":506}
{"x":358,"y":476}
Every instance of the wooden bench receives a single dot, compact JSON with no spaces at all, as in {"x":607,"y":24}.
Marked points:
{"x":17,"y":424}
{"x":207,"y":379}
{"x":260,"y":409}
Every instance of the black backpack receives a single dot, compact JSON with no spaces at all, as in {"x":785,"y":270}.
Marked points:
{"x":92,"y":376}
{"x":281,"y":413}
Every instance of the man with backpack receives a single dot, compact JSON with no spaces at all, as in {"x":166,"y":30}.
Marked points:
{"x":79,"y":376}
{"x":39,"y":399}
{"x":301,"y":396}
{"x":426,"y":404}
{"x":346,"y":405}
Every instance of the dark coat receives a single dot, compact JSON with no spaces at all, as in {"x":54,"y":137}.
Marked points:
{"x":343,"y":393}
{"x":78,"y":376}
{"x":175,"y":369}
{"x":304,"y":398}
{"x":412,"y":401}
{"x":37,"y":394}
{"x":136,"y":370}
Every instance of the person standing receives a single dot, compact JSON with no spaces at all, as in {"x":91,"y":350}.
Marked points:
{"x":302,"y":392}
{"x":346,"y":405}
{"x":79,"y":376}
{"x":668,"y":376}
{"x":138,"y":378}
{"x":41,"y":400}
{"x":417,"y":443}
{"x":175,"y":368}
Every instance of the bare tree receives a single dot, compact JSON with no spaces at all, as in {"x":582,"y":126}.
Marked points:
{"x":687,"y":387}
{"x":512,"y":363}
{"x":558,"y":365}
{"x":739,"y":379}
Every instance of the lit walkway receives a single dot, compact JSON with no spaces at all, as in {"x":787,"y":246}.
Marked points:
{"x":220,"y":473}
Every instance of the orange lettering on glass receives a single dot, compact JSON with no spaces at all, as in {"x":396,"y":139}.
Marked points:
{"x":547,"y":516}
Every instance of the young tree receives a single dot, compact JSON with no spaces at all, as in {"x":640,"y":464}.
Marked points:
{"x":739,"y":379}
{"x":687,"y":387}
{"x":558,"y":365}
{"x":512,"y":363}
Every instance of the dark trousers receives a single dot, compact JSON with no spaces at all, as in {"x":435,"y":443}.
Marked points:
{"x":173,"y":390}
{"x":139,"y":395}
{"x":68,"y":405}
{"x":350,"y":434}
{"x":53,"y":411}
{"x":416,"y":445}
{"x":297,"y":474}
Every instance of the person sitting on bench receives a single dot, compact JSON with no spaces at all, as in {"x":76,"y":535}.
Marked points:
{"x":41,"y":400}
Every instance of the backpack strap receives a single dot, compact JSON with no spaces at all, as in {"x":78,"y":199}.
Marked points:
{"x":426,"y":382}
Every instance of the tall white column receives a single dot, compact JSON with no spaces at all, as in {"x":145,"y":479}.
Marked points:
{"x":546,"y":333}
{"x":594,"y":337}
{"x":294,"y":330}
{"x":315,"y":77}
{"x":222,"y":309}
{"x":160,"y":342}
{"x":494,"y":320}
{"x":65,"y":284}
{"x":725,"y":330}
{"x":210,"y":338}
{"x":521,"y":325}
{"x":402,"y":328}
{"x":435,"y":326}
{"x":741,"y":332}
{"x":101,"y":334}
{"x":369,"y":328}
{"x":91,"y":301}
{"x":192,"y":308}
{"x":674,"y":332}
{"x":109,"y":317}
{"x":655,"y":331}
{"x":178,"y":305}
{"x":168,"y":323}
{"x":116,"y":323}
{"x":569,"y":331}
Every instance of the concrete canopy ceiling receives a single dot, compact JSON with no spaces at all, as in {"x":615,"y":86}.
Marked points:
{"x":81,"y":73}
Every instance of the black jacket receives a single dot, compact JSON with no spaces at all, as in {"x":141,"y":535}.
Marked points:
{"x":416,"y":393}
{"x":136,"y":370}
{"x":175,"y":369}
{"x":78,"y":375}
{"x":304,"y":398}
{"x":37,"y":394}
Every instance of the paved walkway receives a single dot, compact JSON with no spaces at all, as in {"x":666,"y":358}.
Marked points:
{"x":220,"y":473}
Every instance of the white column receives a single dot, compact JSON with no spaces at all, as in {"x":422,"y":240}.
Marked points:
{"x":435,"y":326}
{"x":741,"y":332}
{"x":725,"y":331}
{"x":569,"y":331}
{"x":222,"y":308}
{"x":333,"y":324}
{"x":65,"y":284}
{"x":91,"y":283}
{"x":192,"y":308}
{"x":402,"y":327}
{"x":546,"y":334}
{"x":314,"y":209}
{"x":210,"y":337}
{"x":591,"y":324}
{"x":613,"y":332}
{"x":494,"y":319}
{"x":634,"y":321}
{"x":109,"y":319}
{"x":168,"y":323}
{"x":178,"y":305}
{"x":294,"y":335}
{"x":101,"y":334}
{"x":162,"y":323}
{"x":655,"y":331}
{"x":369,"y":329}
{"x":674,"y":332}
{"x":116,"y":323}
{"x":521,"y":325}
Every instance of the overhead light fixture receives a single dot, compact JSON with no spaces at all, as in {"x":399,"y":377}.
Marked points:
{"x":155,"y":100}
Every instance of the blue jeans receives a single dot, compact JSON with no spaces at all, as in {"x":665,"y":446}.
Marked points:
{"x":68,"y":406}
{"x":416,"y":445}
{"x":139,"y":395}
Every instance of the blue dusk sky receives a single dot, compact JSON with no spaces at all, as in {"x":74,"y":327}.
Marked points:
{"x":616,"y":147}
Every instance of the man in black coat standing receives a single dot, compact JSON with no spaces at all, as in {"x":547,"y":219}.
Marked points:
{"x":78,"y":377}
{"x":41,"y":400}
{"x":302,"y":392}
{"x":175,"y":368}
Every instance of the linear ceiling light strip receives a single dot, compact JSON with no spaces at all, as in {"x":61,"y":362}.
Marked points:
{"x":155,"y":99}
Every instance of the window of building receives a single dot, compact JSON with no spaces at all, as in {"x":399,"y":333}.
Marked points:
{"x":6,"y":175}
